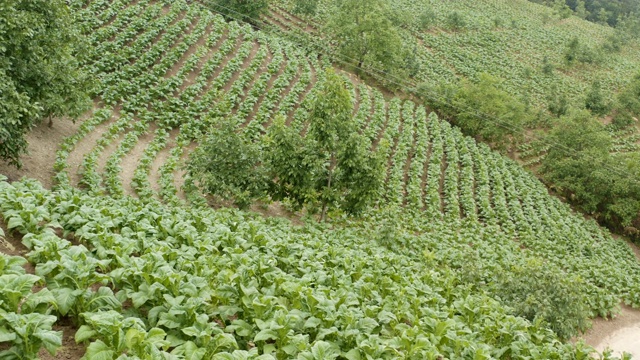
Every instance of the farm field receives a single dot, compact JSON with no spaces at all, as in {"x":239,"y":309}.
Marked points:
{"x":126,"y":248}
{"x":510,"y":40}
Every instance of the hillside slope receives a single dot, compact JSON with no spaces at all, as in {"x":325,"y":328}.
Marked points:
{"x":198,"y":71}
{"x":439,"y":263}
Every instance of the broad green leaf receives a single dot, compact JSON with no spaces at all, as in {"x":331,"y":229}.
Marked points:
{"x":66,"y":298}
{"x":7,"y":335}
{"x":38,"y":302}
{"x":51,"y":340}
{"x":353,"y":354}
{"x":98,"y":350}
{"x":312,"y":322}
{"x":266,"y":334}
{"x":84,"y":333}
{"x":325,"y":350}
{"x":15,"y":222}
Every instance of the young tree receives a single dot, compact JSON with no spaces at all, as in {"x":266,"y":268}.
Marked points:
{"x":242,"y":10}
{"x":305,"y":7}
{"x":332,"y":165}
{"x":629,"y":98}
{"x":364,"y":33}
{"x":483,"y":110}
{"x":291,"y":163}
{"x":228,"y":164}
{"x":581,"y":10}
{"x":595,"y":101}
{"x":578,"y":159}
{"x":39,"y":73}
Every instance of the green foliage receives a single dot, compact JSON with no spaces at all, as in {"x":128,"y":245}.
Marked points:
{"x":595,"y":101}
{"x":483,"y":110}
{"x":27,"y":334}
{"x":39,"y":73}
{"x":305,"y":7}
{"x":227,"y":164}
{"x":331,"y":166}
{"x":578,"y":52}
{"x":242,"y":10}
{"x":580,"y":165}
{"x":628,"y":101}
{"x":557,"y":102}
{"x":562,"y":10}
{"x":551,"y":297}
{"x":577,"y":159}
{"x":25,"y":320}
{"x":365,"y":35}
{"x":340,"y":150}
{"x":547,"y":66}
{"x":426,"y":19}
{"x":455,"y":21}
{"x":208,"y":283}
{"x":290,"y":161}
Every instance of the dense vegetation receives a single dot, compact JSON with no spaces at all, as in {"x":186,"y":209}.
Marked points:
{"x":438,"y":264}
{"x":510,"y":77}
{"x":619,"y":13}
{"x":39,"y":74}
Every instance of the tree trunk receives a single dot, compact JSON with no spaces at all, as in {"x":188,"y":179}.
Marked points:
{"x":50,"y":121}
{"x":324,"y":201}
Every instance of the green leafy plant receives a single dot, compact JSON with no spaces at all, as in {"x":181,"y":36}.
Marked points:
{"x":27,"y":333}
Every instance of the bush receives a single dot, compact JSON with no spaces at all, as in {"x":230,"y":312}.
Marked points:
{"x":578,"y":52}
{"x":580,"y":166}
{"x":228,"y":165}
{"x":550,"y":296}
{"x":455,"y":21}
{"x":557,"y":102}
{"x":305,"y":7}
{"x":595,"y":101}
{"x":240,"y":10}
{"x":483,"y":110}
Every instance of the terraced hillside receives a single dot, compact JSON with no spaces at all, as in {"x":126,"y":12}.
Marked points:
{"x":422,"y":276}
{"x":160,"y":90}
{"x":507,"y":39}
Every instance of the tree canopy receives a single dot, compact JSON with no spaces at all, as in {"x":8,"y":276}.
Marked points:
{"x":241,"y":10}
{"x":481,"y":109}
{"x":331,"y":165}
{"x":39,"y":73}
{"x":365,"y":34}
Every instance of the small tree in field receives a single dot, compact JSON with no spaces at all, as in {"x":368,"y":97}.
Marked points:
{"x":364,"y":33}
{"x":344,"y":160}
{"x":332,"y":165}
{"x":242,"y":10}
{"x":39,"y":72}
{"x":227,"y":164}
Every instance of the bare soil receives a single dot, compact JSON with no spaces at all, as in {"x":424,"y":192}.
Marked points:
{"x":161,"y":158}
{"x":131,"y":161}
{"x":43,"y":144}
{"x":84,"y":146}
{"x":69,"y":349}
{"x":619,"y":334}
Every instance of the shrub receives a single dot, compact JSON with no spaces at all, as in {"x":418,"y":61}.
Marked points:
{"x":549,"y":296}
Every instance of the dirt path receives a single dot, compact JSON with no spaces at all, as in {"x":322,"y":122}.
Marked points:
{"x":43,"y":144}
{"x":620,"y":334}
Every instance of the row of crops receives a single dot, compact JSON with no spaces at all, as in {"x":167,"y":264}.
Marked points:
{"x":147,"y":281}
{"x":507,"y":39}
{"x":181,"y":80}
{"x":512,"y":42}
{"x":145,"y":277}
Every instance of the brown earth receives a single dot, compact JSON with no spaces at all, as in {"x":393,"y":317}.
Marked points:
{"x":43,"y":144}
